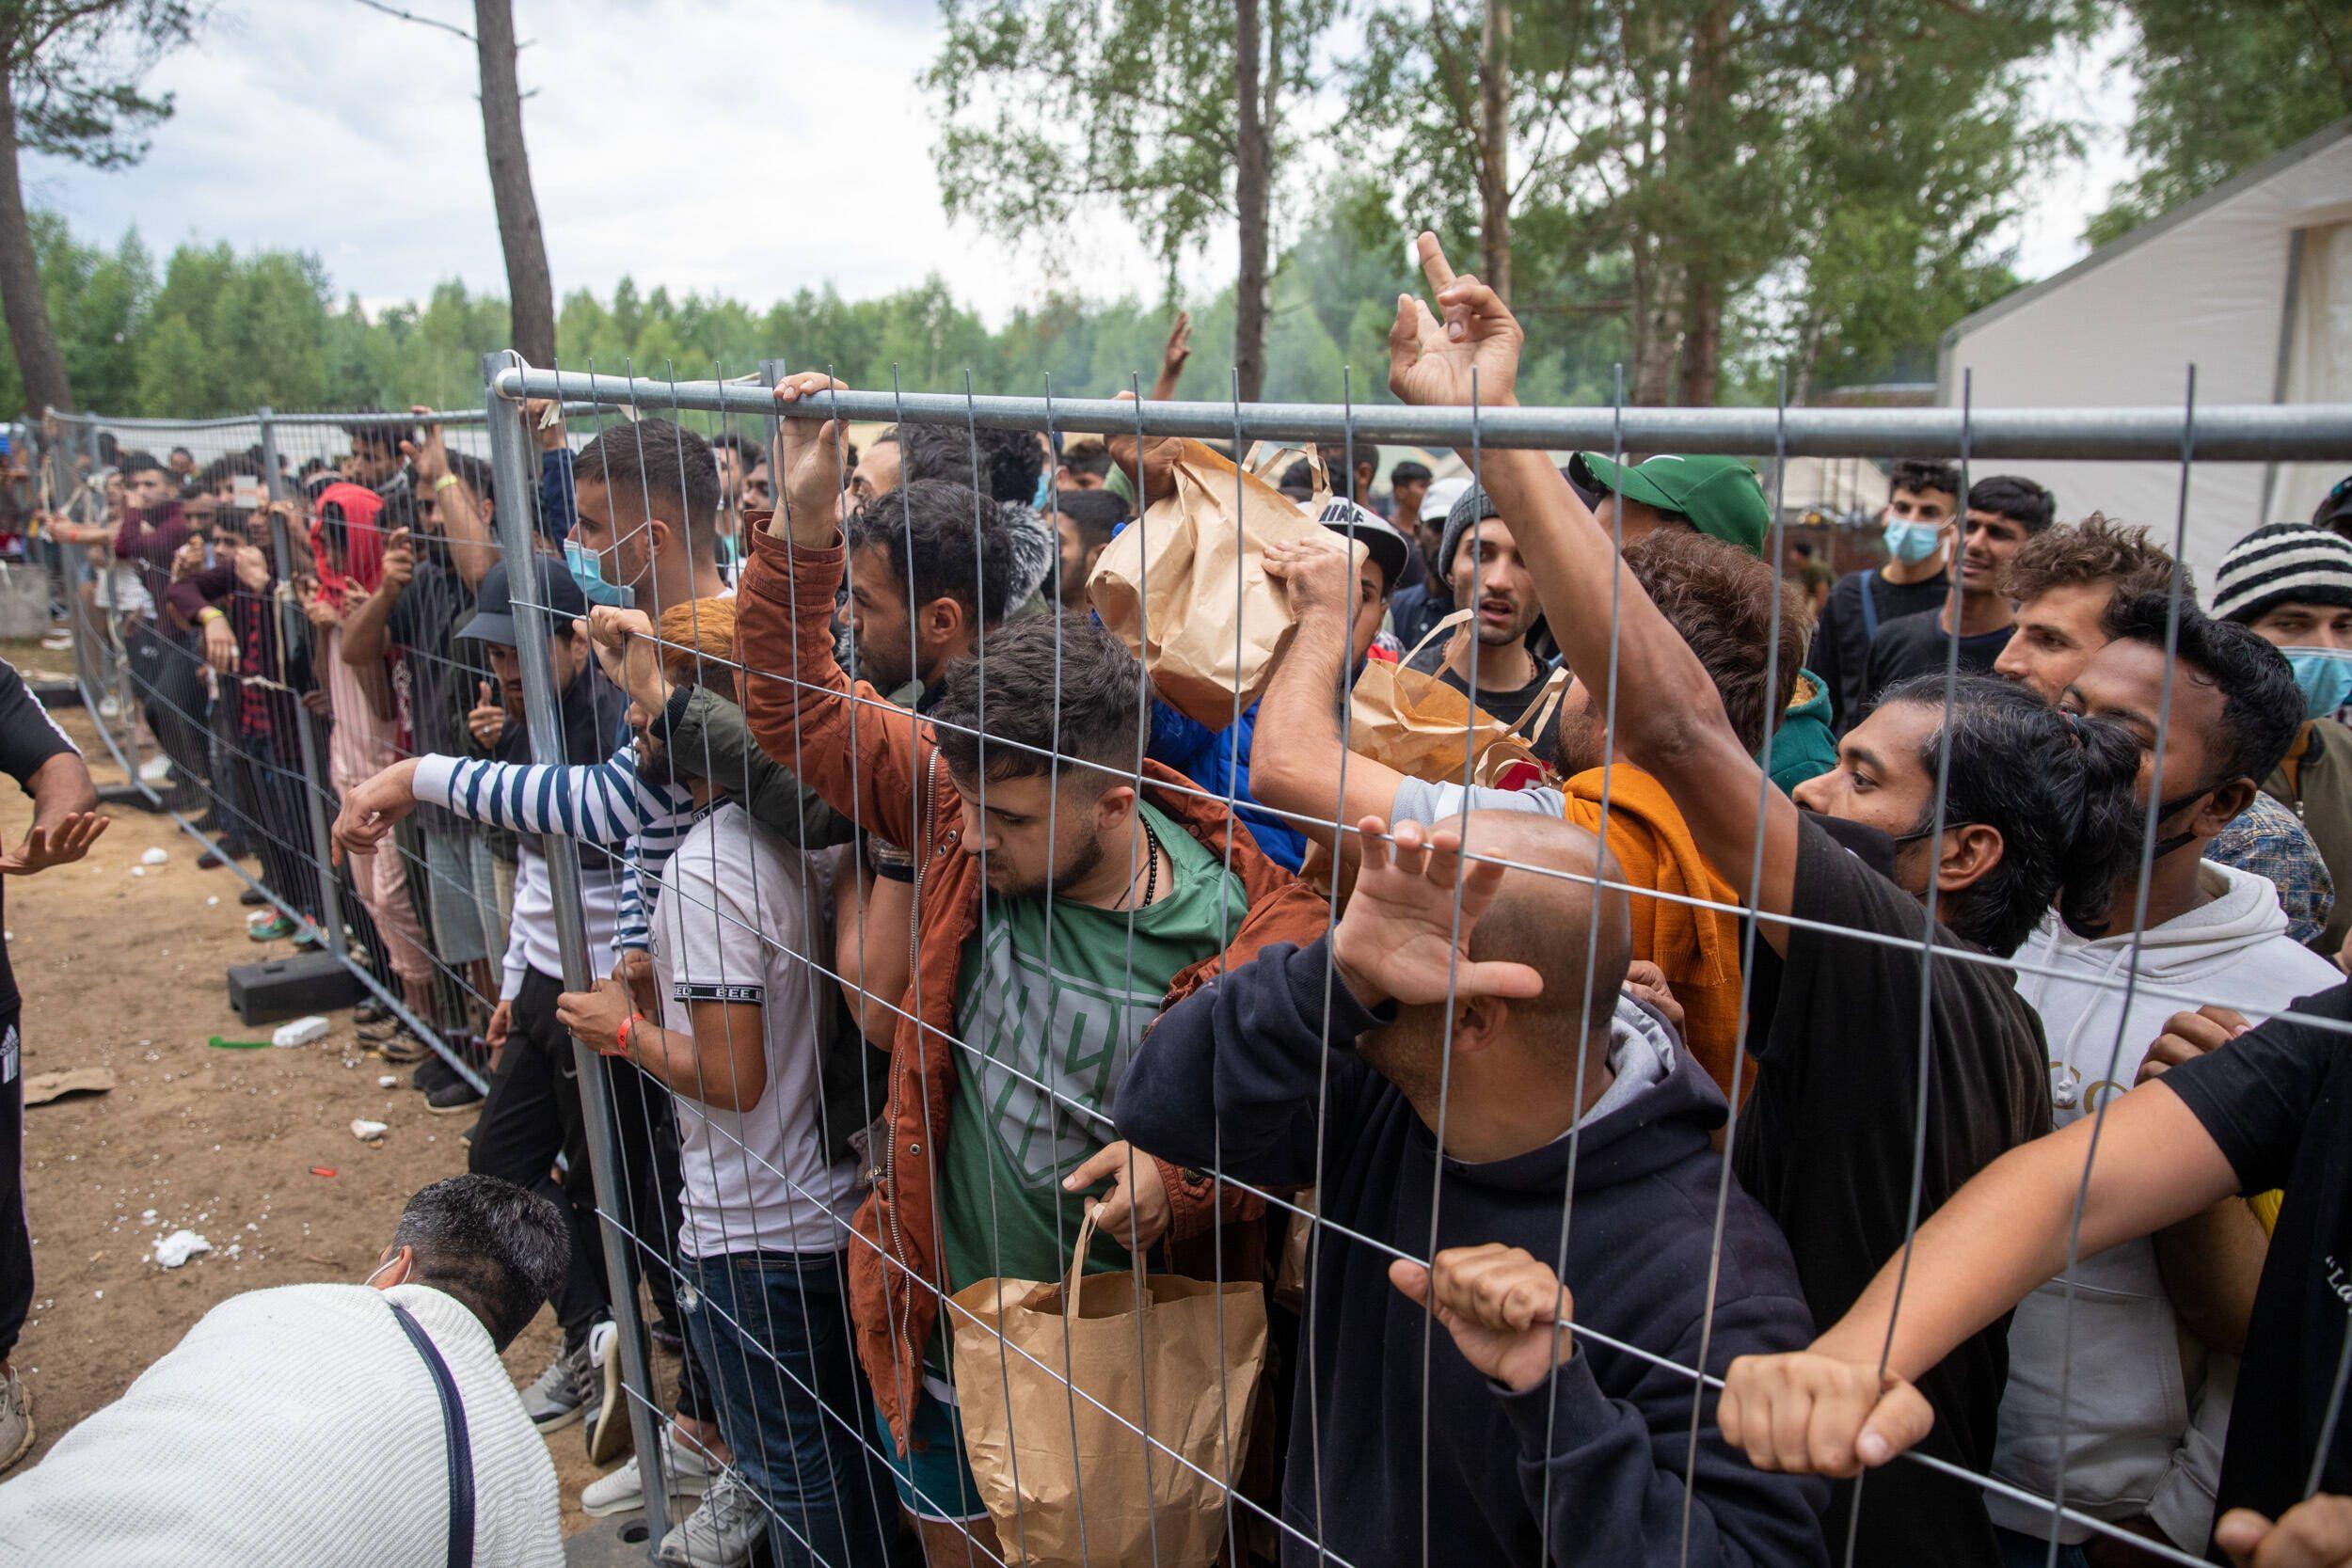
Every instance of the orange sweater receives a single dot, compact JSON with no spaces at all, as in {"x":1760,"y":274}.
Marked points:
{"x":1697,"y":948}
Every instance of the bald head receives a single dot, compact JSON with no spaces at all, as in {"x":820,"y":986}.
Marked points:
{"x":1548,"y":913}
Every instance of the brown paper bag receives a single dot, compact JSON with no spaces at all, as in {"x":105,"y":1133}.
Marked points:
{"x":1418,"y":725}
{"x":1167,"y":585}
{"x":1070,"y":1482}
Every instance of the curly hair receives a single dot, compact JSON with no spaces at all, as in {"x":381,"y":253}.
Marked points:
{"x":2100,"y":548}
{"x":1720,"y":599}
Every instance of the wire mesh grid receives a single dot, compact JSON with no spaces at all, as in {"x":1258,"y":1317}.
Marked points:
{"x":878,"y":916}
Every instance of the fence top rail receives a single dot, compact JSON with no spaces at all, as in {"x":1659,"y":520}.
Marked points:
{"x":2260,"y":433}
{"x":372,"y":417}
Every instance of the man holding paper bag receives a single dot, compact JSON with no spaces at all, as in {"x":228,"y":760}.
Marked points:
{"x":1062,"y":896}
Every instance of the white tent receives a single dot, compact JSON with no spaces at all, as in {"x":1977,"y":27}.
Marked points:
{"x":2251,"y":283}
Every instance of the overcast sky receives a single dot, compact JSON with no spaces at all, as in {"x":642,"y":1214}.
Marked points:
{"x":746,"y":147}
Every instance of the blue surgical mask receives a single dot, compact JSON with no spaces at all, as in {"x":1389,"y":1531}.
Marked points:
{"x":1911,"y":543}
{"x":1044,"y":502}
{"x":2326,"y":676}
{"x":588,"y":571}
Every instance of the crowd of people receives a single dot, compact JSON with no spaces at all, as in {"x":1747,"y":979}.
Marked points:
{"x":1761,"y":1029}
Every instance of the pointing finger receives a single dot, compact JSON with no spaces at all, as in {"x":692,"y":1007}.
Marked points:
{"x":1434,"y":265}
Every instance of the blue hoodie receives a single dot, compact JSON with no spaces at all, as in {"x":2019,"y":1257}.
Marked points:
{"x":1588,"y":1469}
{"x":1218,"y":762}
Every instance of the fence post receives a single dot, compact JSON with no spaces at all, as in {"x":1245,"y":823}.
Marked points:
{"x":292,"y":627}
{"x":515,"y":482}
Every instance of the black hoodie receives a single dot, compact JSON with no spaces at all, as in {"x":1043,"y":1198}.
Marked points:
{"x":1590,"y":1467}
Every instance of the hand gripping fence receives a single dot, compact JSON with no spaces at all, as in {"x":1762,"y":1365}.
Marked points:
{"x":248,"y":758}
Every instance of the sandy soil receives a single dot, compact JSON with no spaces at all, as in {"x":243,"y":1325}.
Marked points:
{"x":123,"y":967}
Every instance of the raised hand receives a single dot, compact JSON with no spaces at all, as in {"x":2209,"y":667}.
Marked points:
{"x":61,"y":843}
{"x":399,"y":561}
{"x":486,"y":719}
{"x":1159,"y":459}
{"x":1173,"y":357}
{"x":1317,"y":573}
{"x":1810,"y":1414}
{"x":1508,"y":1312}
{"x":628,"y":652}
{"x":1399,"y":938}
{"x":1471,"y":348}
{"x":546,"y":421}
{"x":428,"y":455}
{"x":810,"y":467}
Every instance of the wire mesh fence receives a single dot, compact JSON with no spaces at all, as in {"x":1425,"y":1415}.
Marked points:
{"x":904,"y":868}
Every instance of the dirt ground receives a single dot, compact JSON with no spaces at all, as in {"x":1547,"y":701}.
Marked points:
{"x":123,"y":966}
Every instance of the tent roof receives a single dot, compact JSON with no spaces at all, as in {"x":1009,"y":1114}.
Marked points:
{"x":2310,"y":146}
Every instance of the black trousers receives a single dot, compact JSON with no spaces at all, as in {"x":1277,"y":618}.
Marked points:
{"x":169,"y":678}
{"x":281,"y":813}
{"x":16,"y":1240}
{"x":532,"y":1113}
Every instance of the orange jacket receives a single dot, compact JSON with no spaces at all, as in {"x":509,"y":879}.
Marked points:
{"x":1699,"y":949}
{"x":867,"y":757}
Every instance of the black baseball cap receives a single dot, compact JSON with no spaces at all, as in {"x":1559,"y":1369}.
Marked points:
{"x":548,"y":583}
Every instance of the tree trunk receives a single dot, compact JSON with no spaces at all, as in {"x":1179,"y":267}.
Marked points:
{"x":1251,"y":200}
{"x":531,"y":292}
{"x":1702,"y":343}
{"x":1658,"y":330}
{"x":37,"y":361}
{"x":1711,"y":156}
{"x":1494,"y":163}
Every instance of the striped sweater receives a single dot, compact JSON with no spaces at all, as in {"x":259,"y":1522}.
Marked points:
{"x":603,"y":805}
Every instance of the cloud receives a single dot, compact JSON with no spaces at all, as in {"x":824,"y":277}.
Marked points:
{"x":711,"y":146}
{"x":736,"y":147}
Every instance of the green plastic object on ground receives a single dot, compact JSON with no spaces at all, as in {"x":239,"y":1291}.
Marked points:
{"x":220,"y":1044}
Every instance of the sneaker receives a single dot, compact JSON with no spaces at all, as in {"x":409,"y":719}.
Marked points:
{"x":688,"y":1469}
{"x":276,"y":929}
{"x":110,"y":707}
{"x":368,"y":1011}
{"x":154,"y":771}
{"x":252,"y":897}
{"x":556,"y":1399}
{"x":607,"y":1416}
{"x":453,"y":1097}
{"x":400,"y":1048}
{"x":15,"y":1419}
{"x":722,"y":1532}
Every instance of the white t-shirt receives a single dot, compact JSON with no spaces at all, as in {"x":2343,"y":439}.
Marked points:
{"x":742,"y":916}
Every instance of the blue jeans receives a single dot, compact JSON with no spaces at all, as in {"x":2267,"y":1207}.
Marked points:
{"x":773,"y":1331}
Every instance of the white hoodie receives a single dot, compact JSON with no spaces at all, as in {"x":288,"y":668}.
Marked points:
{"x":2147,"y":1406}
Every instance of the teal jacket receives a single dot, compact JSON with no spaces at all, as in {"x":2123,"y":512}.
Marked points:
{"x":1802,"y":746}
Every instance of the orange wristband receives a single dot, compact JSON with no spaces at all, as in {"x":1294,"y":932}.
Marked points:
{"x":620,"y":1037}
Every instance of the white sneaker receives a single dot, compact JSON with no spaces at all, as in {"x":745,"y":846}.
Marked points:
{"x":620,"y":1491}
{"x":154,"y":771}
{"x":110,"y":707}
{"x":606,"y":1415}
{"x":721,"y":1533}
{"x":15,"y":1419}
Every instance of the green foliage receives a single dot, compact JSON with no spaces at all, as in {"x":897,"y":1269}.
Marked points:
{"x":2224,"y":84}
{"x":1049,"y":105}
{"x":73,"y":69}
{"x":1830,"y":176}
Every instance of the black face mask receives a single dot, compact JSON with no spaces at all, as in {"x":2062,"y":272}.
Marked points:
{"x":1868,"y":845}
{"x":2173,"y":807}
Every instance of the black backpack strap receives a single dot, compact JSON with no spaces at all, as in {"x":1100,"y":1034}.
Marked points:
{"x":460,"y":1445}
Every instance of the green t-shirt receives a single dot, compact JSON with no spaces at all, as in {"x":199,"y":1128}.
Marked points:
{"x":1009,"y":1142}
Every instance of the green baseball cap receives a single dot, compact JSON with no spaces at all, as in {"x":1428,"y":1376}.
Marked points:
{"x":1720,"y":495}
